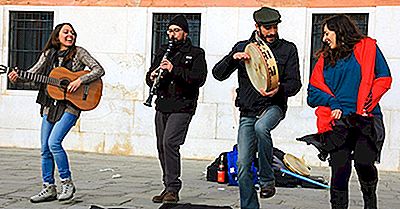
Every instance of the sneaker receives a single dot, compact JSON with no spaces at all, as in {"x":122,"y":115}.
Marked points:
{"x":67,"y":190}
{"x":48,"y":193}
{"x":267,"y":191}
{"x":159,"y":198}
{"x":171,"y":197}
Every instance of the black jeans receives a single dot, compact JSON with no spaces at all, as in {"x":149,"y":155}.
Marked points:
{"x":171,"y":130}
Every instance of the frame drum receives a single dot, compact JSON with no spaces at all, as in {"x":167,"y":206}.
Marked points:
{"x":261,"y":67}
{"x":296,"y":165}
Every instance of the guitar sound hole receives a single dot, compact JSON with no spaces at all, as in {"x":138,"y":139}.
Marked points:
{"x":64,"y":84}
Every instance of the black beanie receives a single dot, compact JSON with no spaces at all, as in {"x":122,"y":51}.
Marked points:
{"x":180,"y":21}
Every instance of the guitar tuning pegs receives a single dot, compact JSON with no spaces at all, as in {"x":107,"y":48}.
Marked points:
{"x":3,"y":69}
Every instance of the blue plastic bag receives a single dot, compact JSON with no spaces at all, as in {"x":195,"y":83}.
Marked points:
{"x":232,"y":157}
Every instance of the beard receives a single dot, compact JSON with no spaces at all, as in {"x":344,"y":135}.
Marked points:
{"x":177,"y":41}
{"x":266,"y":37}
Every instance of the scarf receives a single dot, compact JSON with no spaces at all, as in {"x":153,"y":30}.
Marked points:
{"x":52,"y":61}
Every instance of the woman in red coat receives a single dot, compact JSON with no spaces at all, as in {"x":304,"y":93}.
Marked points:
{"x":348,"y":81}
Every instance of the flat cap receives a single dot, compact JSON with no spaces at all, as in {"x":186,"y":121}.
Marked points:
{"x":267,"y":16}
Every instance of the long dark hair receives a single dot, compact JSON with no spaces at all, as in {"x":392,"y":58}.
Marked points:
{"x":54,"y":42}
{"x":347,"y":35}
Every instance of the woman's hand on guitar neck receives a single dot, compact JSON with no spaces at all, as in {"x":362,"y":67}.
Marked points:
{"x":13,"y":76}
{"x":74,"y":85}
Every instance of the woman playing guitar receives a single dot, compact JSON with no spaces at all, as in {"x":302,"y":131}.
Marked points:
{"x":59,"y":115}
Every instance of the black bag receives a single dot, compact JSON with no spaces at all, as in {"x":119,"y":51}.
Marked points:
{"x":285,"y":180}
{"x":320,"y":179}
{"x":212,"y":169}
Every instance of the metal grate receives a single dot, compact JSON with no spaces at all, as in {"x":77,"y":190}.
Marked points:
{"x":29,"y":32}
{"x":361,"y":20}
{"x":160,"y":26}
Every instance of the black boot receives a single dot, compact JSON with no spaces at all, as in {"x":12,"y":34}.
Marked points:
{"x":368,"y":190}
{"x":339,"y":199}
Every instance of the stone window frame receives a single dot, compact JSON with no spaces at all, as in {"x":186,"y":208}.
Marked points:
{"x":28,"y":33}
{"x":361,"y":19}
{"x":160,"y":22}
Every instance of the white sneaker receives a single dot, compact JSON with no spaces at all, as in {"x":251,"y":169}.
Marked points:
{"x":48,"y":193}
{"x":67,"y":190}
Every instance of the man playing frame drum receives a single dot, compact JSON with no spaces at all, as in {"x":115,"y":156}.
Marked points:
{"x":264,"y":105}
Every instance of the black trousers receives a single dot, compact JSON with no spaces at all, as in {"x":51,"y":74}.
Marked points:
{"x":171,"y":131}
{"x":358,"y":145}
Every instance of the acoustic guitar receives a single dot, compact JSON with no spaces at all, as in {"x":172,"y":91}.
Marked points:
{"x":86,"y":97}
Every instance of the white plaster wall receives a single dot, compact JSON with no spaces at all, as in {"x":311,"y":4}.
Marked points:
{"x":120,"y":38}
{"x":1,"y":41}
{"x":387,"y":28}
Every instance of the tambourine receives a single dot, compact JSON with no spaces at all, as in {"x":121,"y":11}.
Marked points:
{"x":296,"y":165}
{"x":261,"y":67}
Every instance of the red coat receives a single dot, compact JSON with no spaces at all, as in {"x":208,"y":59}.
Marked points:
{"x":365,"y":53}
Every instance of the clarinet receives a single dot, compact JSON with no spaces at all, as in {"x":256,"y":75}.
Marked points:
{"x":156,"y":83}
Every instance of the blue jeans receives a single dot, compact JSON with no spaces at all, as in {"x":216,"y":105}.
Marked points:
{"x":255,"y":135}
{"x":52,"y":135}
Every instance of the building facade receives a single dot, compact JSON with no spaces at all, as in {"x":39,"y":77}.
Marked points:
{"x":122,"y":36}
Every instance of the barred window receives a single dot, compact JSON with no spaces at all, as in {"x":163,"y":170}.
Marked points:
{"x":29,"y":32}
{"x":361,"y":20}
{"x":160,"y":26}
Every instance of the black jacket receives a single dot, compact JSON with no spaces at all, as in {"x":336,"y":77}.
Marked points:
{"x":248,"y":99}
{"x":179,"y":89}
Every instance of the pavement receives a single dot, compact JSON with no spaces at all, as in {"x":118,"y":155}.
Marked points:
{"x":131,"y":181}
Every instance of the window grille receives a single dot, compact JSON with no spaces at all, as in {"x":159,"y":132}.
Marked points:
{"x":29,"y":32}
{"x":160,"y":26}
{"x":361,"y":20}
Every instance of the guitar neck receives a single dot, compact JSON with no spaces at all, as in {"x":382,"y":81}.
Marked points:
{"x":39,"y":78}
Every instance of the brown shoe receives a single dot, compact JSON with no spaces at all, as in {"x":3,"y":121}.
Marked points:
{"x":171,"y":197}
{"x":268,"y":191}
{"x":159,"y":198}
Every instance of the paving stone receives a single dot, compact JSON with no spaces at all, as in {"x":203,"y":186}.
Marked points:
{"x":141,"y":179}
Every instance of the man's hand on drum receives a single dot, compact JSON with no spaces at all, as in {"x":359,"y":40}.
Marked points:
{"x":241,"y":55}
{"x":270,"y":93}
{"x":336,"y":114}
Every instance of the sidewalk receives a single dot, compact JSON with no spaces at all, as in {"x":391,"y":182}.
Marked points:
{"x":137,"y":179}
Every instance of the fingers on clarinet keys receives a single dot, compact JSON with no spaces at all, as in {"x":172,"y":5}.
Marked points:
{"x":154,"y":75}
